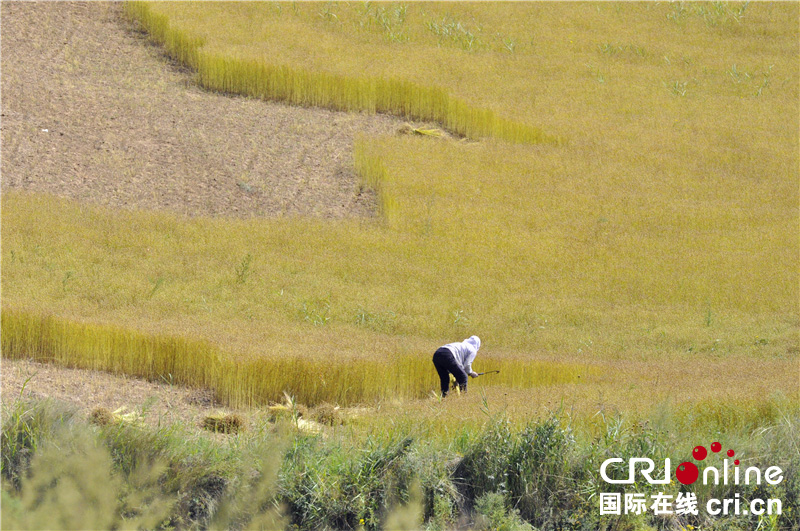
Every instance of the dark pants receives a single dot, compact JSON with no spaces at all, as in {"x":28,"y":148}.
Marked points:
{"x":445,"y":363}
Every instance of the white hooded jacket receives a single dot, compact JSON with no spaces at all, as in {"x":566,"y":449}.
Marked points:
{"x":465,"y":351}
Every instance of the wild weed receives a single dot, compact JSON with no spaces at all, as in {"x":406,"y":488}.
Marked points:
{"x":679,"y":88}
{"x":316,"y":311}
{"x":766,"y":79}
{"x":378,"y":321}
{"x":243,"y":269}
{"x":510,"y":476}
{"x":25,"y":425}
{"x":454,"y":32}
{"x":495,"y":516}
{"x":326,"y":485}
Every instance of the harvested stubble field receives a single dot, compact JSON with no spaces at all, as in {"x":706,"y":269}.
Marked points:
{"x":613,"y":208}
{"x":88,"y":390}
{"x":94,"y":113}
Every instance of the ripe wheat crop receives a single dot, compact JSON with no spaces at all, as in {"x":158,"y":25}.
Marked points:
{"x":594,"y":219}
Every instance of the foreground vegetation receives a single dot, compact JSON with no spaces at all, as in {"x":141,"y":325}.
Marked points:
{"x":59,"y":471}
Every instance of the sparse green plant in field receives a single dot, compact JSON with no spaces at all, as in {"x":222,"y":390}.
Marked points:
{"x":737,"y":75}
{"x":719,"y":12}
{"x":459,"y":319}
{"x":609,"y":49}
{"x":678,"y":13}
{"x":594,"y":71}
{"x":363,"y":317}
{"x":379,"y":321}
{"x":245,"y":187}
{"x":389,"y":19}
{"x":765,"y":81}
{"x":65,"y":280}
{"x":316,"y":312}
{"x":678,"y":88}
{"x":156,"y":286}
{"x":243,"y":269}
{"x":713,"y":14}
{"x":452,"y":31}
{"x":629,"y":50}
{"x":327,"y":14}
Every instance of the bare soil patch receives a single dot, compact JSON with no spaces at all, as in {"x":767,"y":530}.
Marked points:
{"x":157,"y":403}
{"x":93,"y":112}
{"x":87,"y":390}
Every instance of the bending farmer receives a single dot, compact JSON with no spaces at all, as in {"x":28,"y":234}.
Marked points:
{"x":456,"y":359}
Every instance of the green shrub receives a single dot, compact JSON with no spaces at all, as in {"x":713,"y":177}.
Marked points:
{"x":494,"y":516}
{"x":512,"y":477}
{"x":25,"y":425}
{"x":341,"y":487}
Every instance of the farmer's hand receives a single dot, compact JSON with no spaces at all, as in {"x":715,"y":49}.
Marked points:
{"x":473,"y":374}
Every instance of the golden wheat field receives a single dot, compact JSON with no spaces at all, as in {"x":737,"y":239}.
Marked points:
{"x":613,"y":210}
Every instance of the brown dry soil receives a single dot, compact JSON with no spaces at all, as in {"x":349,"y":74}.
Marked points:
{"x":93,"y":112}
{"x":154,"y":403}
{"x":87,"y":390}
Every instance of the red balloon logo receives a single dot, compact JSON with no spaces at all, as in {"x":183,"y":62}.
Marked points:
{"x":687,"y":473}
{"x":699,"y":452}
